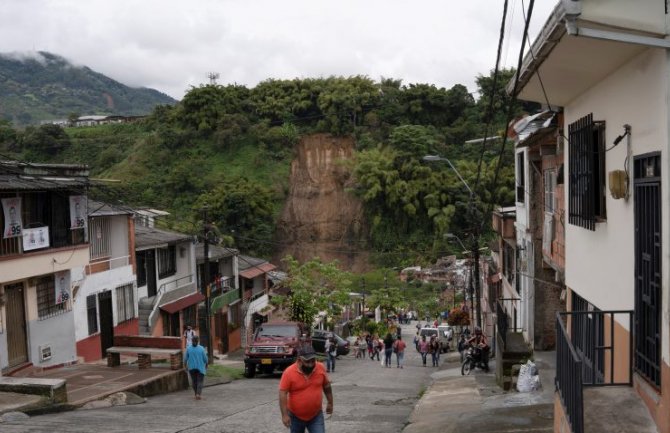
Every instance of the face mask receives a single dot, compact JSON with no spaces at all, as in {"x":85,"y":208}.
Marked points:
{"x":307,"y":369}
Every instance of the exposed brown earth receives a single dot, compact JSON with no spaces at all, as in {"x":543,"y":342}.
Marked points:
{"x":320,"y":218}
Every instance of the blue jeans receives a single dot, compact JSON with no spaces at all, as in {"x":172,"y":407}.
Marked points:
{"x":400,"y":358}
{"x":197,"y":380}
{"x":388,"y":354}
{"x":314,"y":425}
{"x":423,"y":357}
{"x":330,"y":363}
{"x":436,"y":358}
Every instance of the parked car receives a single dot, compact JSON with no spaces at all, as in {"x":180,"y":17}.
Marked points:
{"x":319,"y":342}
{"x":274,"y":347}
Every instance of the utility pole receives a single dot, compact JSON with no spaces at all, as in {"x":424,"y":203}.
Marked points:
{"x":477,"y":281}
{"x":206,"y":287}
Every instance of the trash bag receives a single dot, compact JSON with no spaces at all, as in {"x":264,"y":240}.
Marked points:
{"x":528,"y":380}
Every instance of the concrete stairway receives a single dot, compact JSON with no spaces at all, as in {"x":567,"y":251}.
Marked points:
{"x":146,"y":306}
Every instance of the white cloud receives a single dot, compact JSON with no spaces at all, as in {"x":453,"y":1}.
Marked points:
{"x":170,"y":45}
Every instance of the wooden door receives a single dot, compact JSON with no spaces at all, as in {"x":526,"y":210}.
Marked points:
{"x":17,"y":346}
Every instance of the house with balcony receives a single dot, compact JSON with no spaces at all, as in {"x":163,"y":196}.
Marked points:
{"x":105,"y":299}
{"x":606,"y":65}
{"x":166,"y":281}
{"x":255,"y":290}
{"x":43,"y":250}
{"x":225,"y":297}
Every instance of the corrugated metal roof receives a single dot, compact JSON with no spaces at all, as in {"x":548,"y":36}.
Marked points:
{"x":530,"y":125}
{"x":257,"y":270}
{"x":246,"y":262}
{"x":26,"y":183}
{"x":215,"y":252}
{"x":98,"y":209}
{"x":146,"y":237}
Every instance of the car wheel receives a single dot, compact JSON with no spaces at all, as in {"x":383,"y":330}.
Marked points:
{"x":249,"y":370}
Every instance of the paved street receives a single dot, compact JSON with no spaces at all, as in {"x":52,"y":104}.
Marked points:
{"x":368,"y":398}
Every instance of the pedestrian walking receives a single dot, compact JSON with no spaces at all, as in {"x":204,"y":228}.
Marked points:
{"x":331,"y":354}
{"x":416,"y":341}
{"x":301,"y":391}
{"x":462,"y":343}
{"x":195,"y":361}
{"x":189,"y":333}
{"x":423,"y":349}
{"x":399,"y":349}
{"x":369,"y":341}
{"x":434,"y":350}
{"x":388,"y":350}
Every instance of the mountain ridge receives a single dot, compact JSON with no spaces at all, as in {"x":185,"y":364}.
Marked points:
{"x":42,"y":86}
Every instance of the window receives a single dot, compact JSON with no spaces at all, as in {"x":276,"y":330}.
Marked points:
{"x":549,"y":190}
{"x":520,"y":178}
{"x":508,"y":262}
{"x":99,"y":234}
{"x":167,"y":261}
{"x":587,"y":172}
{"x":46,"y":299}
{"x":125,"y":303}
{"x":92,"y":314}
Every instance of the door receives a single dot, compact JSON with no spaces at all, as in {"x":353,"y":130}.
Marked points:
{"x":648,"y":249}
{"x":150,"y":264}
{"x":106,"y":321}
{"x":222,"y":331}
{"x":17,"y":346}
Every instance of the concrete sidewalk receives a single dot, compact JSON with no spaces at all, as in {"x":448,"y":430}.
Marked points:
{"x":456,"y":403}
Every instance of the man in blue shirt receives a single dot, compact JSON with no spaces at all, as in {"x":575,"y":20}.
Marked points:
{"x":195,"y":361}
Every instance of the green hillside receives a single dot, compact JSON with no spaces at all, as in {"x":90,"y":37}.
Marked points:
{"x":45,"y":86}
{"x":230,"y":147}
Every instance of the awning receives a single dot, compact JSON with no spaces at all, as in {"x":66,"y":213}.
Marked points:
{"x":180,"y":304}
{"x":255,"y":271}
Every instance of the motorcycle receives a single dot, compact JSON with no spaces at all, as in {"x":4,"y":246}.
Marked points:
{"x":473,"y":359}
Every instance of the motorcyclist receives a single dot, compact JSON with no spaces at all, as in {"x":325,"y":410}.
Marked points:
{"x":479,"y":340}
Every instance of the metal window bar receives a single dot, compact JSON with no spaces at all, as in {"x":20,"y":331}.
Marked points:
{"x":99,"y":234}
{"x":503,"y":323}
{"x":581,"y":207}
{"x":46,"y":299}
{"x":568,"y":378}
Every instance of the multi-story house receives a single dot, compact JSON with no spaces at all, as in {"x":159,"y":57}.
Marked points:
{"x":253,"y":273}
{"x":536,"y":139}
{"x":166,"y":281}
{"x":606,"y":64}
{"x":43,"y":250}
{"x":105,"y":299}
{"x":226,"y":300}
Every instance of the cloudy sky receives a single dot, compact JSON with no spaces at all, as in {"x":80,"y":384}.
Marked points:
{"x":170,"y":45}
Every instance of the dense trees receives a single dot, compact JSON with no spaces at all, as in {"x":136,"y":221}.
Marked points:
{"x":229,"y":146}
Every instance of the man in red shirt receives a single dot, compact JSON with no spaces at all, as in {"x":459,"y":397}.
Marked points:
{"x":301,"y":392}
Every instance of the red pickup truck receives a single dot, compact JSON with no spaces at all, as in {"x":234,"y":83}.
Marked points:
{"x":274,"y":346}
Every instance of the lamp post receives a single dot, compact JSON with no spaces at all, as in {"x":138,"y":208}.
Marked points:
{"x":475,"y":235}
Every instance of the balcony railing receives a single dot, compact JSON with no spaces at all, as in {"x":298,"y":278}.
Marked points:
{"x":57,"y":239}
{"x":590,"y":352}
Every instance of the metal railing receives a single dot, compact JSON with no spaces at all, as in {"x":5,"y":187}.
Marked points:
{"x":113,"y":263}
{"x":569,"y":378}
{"x":162,"y":290}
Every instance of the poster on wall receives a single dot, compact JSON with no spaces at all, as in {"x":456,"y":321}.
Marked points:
{"x":11,"y":208}
{"x":78,"y":210}
{"x":36,"y":238}
{"x":62,"y":286}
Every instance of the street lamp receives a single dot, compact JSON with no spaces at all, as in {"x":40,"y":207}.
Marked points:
{"x":475,"y":234}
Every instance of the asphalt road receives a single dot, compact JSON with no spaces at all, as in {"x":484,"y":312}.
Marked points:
{"x":368,"y":398}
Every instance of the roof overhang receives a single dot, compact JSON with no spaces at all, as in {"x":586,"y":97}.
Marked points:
{"x":185,"y":302}
{"x":257,"y":270}
{"x":572,"y":55}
